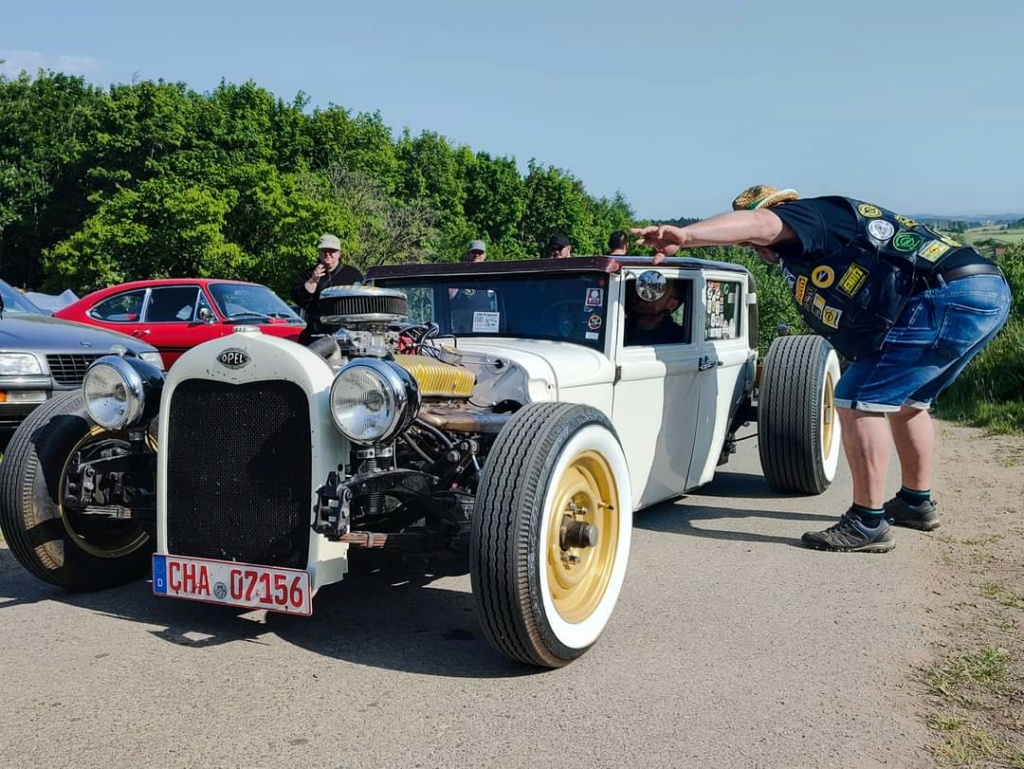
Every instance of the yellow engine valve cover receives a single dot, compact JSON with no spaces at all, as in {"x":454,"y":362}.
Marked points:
{"x":437,"y":379}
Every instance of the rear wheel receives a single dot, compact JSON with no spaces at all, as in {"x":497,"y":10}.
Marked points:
{"x":550,"y":535}
{"x":798,"y":427}
{"x":58,"y":543}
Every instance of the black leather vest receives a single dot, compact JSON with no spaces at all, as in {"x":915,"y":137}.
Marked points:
{"x":854,"y":295}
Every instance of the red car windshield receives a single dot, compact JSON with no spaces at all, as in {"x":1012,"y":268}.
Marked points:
{"x":238,"y":301}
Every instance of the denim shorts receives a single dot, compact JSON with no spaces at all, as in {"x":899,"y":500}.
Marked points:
{"x":934,"y":338}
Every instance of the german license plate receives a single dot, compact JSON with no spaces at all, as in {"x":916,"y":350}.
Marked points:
{"x":232,"y":584}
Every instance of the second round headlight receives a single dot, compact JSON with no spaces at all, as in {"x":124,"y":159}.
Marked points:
{"x":118,"y":390}
{"x":373,"y":400}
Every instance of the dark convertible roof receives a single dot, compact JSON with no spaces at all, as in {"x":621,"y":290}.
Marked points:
{"x":572,"y":264}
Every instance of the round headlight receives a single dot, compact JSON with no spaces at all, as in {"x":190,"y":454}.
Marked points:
{"x":116,"y":391}
{"x":373,"y":400}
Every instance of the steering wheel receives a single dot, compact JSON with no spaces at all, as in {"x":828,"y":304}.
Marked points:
{"x":565,"y":315}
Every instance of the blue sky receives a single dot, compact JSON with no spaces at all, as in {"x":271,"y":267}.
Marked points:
{"x":915,"y":105}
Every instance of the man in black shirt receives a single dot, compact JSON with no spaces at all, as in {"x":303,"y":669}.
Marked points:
{"x":328,"y":271}
{"x":909,"y":306}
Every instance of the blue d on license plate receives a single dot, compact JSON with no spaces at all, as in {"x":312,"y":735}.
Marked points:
{"x":232,"y":584}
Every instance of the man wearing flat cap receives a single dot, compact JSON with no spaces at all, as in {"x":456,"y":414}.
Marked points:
{"x":328,"y":271}
{"x":908,"y":306}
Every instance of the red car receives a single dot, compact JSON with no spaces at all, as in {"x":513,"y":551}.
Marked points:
{"x":176,"y":314}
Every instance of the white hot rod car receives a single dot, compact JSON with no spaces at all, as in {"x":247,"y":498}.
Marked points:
{"x":503,"y":419}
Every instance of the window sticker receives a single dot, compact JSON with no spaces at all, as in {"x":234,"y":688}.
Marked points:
{"x":595,"y":297}
{"x":593,"y":335}
{"x":721,"y":315}
{"x":486,"y":322}
{"x":594,"y":322}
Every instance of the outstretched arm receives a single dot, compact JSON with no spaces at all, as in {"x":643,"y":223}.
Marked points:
{"x":759,"y":228}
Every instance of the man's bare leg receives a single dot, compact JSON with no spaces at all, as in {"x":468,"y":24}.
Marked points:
{"x":867,"y":442}
{"x":913,"y":431}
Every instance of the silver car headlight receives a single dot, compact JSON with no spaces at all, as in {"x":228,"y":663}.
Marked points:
{"x":121,"y":392}
{"x":373,"y":400}
{"x":19,"y":364}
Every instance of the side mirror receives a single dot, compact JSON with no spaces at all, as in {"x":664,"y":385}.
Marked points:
{"x":206,"y":315}
{"x":651,"y":285}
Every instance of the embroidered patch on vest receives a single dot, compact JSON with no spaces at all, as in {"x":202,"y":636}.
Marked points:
{"x":881,"y":230}
{"x":819,"y":306}
{"x":869,"y":211}
{"x":830,"y":317}
{"x":907,"y":241}
{"x":801,"y":289}
{"x":823,"y":276}
{"x":933,"y":250}
{"x":853,"y":280}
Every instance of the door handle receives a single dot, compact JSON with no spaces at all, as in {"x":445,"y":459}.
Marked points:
{"x":705,"y":363}
{"x":140,"y":332}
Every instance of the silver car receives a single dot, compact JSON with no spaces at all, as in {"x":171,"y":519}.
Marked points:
{"x":41,"y":355}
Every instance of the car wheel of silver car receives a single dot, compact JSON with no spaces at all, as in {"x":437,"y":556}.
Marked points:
{"x":56,"y":543}
{"x":798,"y":427}
{"x":551,"y":532}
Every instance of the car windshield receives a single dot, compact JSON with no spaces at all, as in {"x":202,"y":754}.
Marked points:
{"x":564,"y":307}
{"x":15,"y":302}
{"x":238,"y":301}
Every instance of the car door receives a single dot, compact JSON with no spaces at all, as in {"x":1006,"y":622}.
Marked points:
{"x":725,"y":359}
{"x":170,"y":321}
{"x":656,"y":399}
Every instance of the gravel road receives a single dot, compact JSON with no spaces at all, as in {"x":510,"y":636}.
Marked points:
{"x":732,"y":646}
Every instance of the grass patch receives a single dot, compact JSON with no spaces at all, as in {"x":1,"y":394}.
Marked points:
{"x":960,"y":676}
{"x":979,"y":723}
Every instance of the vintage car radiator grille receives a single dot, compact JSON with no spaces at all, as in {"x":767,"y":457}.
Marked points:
{"x":70,"y":369}
{"x":239,"y":461}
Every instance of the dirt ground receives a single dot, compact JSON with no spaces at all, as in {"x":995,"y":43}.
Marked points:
{"x":732,"y":647}
{"x":975,"y":684}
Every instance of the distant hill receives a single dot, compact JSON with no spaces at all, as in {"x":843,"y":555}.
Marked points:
{"x":995,"y":218}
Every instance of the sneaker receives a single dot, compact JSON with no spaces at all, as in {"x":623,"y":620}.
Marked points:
{"x":850,"y":535}
{"x":924,"y":516}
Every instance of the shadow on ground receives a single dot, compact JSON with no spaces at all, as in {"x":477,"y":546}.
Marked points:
{"x":393,"y":619}
{"x":385,"y":614}
{"x":679,"y":517}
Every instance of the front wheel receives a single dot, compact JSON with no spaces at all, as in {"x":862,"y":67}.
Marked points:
{"x":551,"y":531}
{"x":798,"y":427}
{"x":59,"y":544}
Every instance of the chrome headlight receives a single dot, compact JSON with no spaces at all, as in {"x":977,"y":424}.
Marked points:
{"x":373,"y":400}
{"x":121,"y":392}
{"x":19,"y":364}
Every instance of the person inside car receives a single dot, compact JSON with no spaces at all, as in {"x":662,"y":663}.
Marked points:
{"x":651,"y":322}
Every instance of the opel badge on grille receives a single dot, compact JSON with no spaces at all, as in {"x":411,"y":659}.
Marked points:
{"x":233,"y":358}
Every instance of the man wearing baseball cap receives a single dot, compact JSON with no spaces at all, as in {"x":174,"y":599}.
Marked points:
{"x":328,"y":271}
{"x":475,"y":252}
{"x":909,"y":306}
{"x":559,"y":246}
